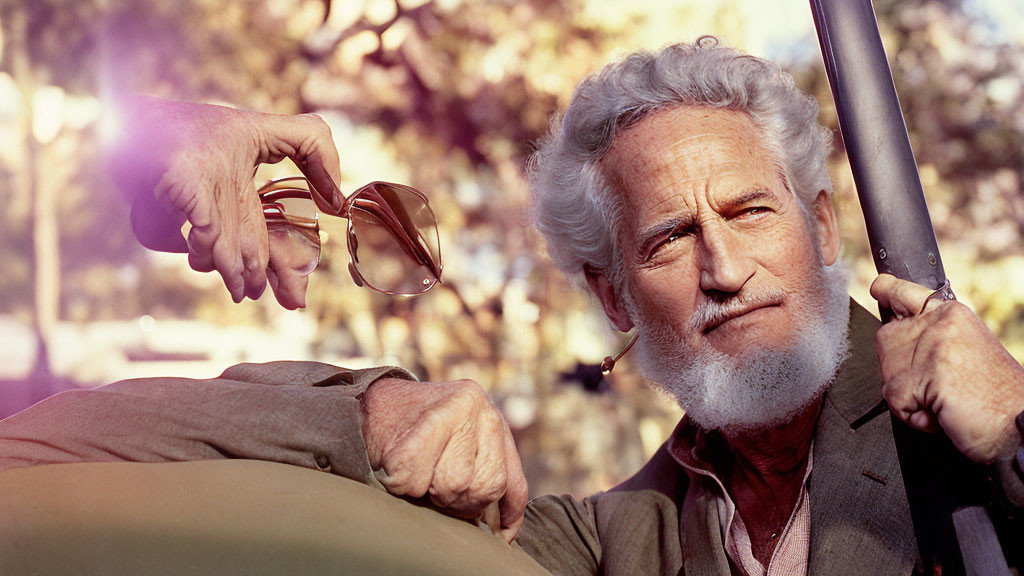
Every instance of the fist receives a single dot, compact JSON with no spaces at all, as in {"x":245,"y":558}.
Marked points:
{"x":943,"y":368}
{"x":449,"y":442}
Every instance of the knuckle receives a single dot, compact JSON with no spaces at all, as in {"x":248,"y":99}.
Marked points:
{"x":230,"y":266}
{"x":493,"y":421}
{"x":467,"y":393}
{"x":884,"y":338}
{"x":493,"y":485}
{"x":899,"y":291}
{"x":466,"y":386}
{"x":958,"y":312}
{"x":202,"y":238}
{"x":458,"y":483}
{"x":445,"y":495}
{"x":318,"y":124}
{"x":438,"y":418}
{"x":880,"y":338}
{"x":520,"y":490}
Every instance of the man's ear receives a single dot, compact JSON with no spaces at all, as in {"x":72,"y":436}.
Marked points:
{"x":827,"y":228}
{"x":605,"y":291}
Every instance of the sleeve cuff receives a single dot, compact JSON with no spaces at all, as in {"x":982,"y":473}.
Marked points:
{"x":356,"y":383}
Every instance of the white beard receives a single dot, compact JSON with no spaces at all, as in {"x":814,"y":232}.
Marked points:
{"x":763,"y":387}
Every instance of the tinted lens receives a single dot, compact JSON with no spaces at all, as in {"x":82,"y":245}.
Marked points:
{"x":303,"y":208}
{"x":393,"y":239}
{"x":292,"y":231}
{"x":292,"y":247}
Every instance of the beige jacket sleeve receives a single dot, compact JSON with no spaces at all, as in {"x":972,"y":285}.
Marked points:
{"x":560,"y":533}
{"x":302,"y":413}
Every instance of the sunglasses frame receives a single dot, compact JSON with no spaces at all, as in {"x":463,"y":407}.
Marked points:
{"x":362,"y":199}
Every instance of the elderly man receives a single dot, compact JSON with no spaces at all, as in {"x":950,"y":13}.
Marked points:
{"x":688,"y":189}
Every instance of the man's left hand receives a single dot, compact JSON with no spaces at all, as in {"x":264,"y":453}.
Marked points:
{"x":944,"y":368}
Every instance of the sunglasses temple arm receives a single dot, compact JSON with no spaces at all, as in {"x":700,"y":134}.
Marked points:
{"x":404,"y":231}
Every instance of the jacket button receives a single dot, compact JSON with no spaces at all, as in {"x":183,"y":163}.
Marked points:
{"x":322,"y":462}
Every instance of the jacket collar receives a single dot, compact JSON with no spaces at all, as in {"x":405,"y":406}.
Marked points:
{"x":857,"y":394}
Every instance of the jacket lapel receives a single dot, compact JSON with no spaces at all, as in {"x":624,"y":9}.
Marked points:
{"x":859,"y":514}
{"x":700,"y":533}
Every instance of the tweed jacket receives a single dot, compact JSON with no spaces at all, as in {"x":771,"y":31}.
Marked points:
{"x":860,"y":518}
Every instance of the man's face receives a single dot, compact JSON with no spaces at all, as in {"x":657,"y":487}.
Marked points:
{"x":708,"y":217}
{"x":739,"y":317}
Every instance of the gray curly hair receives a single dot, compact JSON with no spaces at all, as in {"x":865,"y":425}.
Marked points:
{"x":578,"y":212}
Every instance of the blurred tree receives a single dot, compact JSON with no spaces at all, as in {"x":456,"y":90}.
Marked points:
{"x":44,"y":256}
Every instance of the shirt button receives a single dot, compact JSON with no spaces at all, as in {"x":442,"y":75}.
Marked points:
{"x":322,"y":462}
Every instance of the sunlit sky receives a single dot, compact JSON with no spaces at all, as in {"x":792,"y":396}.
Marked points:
{"x":1005,"y":17}
{"x":779,"y":29}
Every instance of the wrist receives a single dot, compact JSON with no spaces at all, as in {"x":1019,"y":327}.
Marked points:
{"x":375,"y":402}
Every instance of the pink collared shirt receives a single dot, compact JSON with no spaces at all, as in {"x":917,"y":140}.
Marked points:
{"x":793,"y":548}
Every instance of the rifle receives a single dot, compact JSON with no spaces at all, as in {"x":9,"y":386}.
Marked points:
{"x":944,"y":489}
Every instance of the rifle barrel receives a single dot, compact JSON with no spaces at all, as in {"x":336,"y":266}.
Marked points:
{"x":899,"y":229}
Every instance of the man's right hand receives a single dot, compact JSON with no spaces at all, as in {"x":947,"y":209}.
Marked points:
{"x":446,"y":440}
{"x":197,"y":162}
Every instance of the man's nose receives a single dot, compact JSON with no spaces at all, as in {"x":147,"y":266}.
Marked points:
{"x":725,"y":265}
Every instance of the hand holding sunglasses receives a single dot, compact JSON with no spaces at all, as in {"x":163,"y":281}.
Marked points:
{"x":392,"y":234}
{"x":181,"y":161}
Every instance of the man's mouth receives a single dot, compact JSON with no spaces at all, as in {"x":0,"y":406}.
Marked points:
{"x":722,"y":318}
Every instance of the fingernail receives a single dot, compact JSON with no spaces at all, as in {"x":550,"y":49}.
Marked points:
{"x":255,"y":281}
{"x":254,"y":289}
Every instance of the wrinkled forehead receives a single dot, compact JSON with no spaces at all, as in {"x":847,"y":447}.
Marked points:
{"x":674,"y":156}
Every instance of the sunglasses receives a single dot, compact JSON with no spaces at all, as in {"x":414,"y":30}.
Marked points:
{"x":392,"y":232}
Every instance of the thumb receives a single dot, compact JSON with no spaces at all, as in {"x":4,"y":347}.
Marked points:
{"x":289,"y":288}
{"x":512,"y":505}
{"x":902,"y":297}
{"x":305,"y":139}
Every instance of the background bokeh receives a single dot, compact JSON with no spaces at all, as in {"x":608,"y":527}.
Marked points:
{"x":446,"y":95}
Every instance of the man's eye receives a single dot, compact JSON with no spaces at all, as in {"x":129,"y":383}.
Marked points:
{"x":754,"y":211}
{"x":666,"y":244}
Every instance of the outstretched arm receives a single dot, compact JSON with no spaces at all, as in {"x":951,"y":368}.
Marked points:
{"x":444,"y":441}
{"x":301,"y":413}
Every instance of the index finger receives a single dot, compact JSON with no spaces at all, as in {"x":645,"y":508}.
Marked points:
{"x":902,"y":297}
{"x":307,"y":140}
